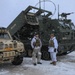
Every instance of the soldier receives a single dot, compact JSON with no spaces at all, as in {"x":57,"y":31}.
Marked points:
{"x":53,"y":45}
{"x":36,"y":46}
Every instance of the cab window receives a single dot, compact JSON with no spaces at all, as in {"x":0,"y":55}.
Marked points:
{"x":4,"y":36}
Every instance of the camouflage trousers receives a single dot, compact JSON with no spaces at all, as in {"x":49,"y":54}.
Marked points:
{"x":36,"y":55}
{"x":53,"y":56}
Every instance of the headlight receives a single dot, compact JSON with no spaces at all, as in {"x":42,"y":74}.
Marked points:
{"x":1,"y":45}
{"x":6,"y":45}
{"x":10,"y":46}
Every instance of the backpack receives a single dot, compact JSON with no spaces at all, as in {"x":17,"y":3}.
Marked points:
{"x":51,"y":43}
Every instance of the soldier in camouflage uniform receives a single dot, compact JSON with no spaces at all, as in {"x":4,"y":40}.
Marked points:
{"x":53,"y":45}
{"x":36,"y":46}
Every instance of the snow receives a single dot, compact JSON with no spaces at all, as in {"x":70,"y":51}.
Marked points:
{"x":65,"y":66}
{"x":3,"y":72}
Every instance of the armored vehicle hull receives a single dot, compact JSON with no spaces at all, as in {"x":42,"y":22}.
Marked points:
{"x":27,"y":23}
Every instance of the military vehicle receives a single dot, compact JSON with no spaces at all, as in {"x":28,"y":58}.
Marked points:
{"x":28,"y":22}
{"x":10,"y":50}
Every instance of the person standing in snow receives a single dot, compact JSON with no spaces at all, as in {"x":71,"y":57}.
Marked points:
{"x":36,"y":45}
{"x":53,"y":46}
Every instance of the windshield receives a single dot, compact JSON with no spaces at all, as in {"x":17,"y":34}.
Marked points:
{"x":4,"y":36}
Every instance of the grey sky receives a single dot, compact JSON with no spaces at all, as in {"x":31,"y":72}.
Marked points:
{"x":9,"y":9}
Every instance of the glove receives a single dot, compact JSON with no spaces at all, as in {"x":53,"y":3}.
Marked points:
{"x":55,"y":50}
{"x":33,"y":48}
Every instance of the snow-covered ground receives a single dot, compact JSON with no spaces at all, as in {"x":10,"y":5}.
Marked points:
{"x":65,"y":66}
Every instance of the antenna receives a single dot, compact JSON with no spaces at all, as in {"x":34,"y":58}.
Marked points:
{"x":39,"y":4}
{"x":44,"y":6}
{"x":58,"y":11}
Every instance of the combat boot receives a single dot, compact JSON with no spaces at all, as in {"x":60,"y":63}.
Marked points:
{"x":54,"y":63}
{"x":39,"y":63}
{"x":34,"y":64}
{"x":51,"y":63}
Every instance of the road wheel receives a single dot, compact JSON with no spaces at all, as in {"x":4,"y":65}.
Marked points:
{"x":45,"y":55}
{"x":30,"y":53}
{"x":25,"y":53}
{"x":17,"y":60}
{"x":65,"y":53}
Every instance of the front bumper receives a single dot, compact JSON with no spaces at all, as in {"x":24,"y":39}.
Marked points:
{"x":9,"y":55}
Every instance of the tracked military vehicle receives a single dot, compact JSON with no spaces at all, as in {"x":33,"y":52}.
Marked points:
{"x":27,"y":23}
{"x":10,"y":50}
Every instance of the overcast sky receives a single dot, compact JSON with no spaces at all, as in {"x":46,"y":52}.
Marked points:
{"x":9,"y":9}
